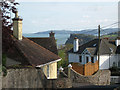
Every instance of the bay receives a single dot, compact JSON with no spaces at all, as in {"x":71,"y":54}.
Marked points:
{"x":61,"y":38}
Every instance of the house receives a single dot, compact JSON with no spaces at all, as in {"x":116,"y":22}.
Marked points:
{"x":46,"y":42}
{"x":88,"y":53}
{"x":25,"y":52}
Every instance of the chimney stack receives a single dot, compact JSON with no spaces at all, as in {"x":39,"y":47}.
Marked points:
{"x":76,"y":44}
{"x":51,"y":34}
{"x":118,"y":41}
{"x":17,"y":26}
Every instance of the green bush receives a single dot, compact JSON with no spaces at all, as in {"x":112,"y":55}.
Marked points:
{"x":4,"y":70}
{"x":3,"y":60}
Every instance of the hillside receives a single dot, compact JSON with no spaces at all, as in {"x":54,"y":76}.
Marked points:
{"x":88,"y":31}
{"x":82,"y":38}
{"x":85,"y":38}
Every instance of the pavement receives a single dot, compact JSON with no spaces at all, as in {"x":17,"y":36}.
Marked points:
{"x":87,"y":86}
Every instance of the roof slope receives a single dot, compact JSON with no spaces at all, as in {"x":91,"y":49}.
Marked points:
{"x":47,"y":42}
{"x":29,"y":52}
{"x":105,"y":47}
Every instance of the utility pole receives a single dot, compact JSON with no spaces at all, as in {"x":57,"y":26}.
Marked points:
{"x":98,"y":45}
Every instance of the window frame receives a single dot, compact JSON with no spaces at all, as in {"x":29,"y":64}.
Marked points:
{"x":87,"y":59}
{"x":80,"y":59}
{"x":92,"y":59}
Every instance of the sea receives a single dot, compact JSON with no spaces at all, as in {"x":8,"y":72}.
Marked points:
{"x":61,"y":38}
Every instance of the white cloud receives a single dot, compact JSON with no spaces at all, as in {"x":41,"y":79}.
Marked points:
{"x":86,"y":16}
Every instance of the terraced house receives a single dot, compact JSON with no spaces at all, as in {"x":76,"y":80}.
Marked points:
{"x":25,"y":52}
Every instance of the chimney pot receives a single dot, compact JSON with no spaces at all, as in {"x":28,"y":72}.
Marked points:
{"x":16,"y":14}
{"x":51,"y":34}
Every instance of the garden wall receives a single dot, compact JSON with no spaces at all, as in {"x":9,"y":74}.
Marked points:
{"x":102,"y":77}
{"x":32,"y":78}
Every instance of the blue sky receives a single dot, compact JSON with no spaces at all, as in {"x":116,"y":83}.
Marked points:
{"x":43,"y":16}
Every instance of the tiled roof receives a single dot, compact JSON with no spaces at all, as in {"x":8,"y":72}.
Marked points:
{"x":29,"y":52}
{"x":105,"y":47}
{"x":47,"y":42}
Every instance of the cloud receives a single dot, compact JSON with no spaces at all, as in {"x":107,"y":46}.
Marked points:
{"x":86,"y":16}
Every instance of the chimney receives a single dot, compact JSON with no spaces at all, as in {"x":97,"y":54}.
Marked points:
{"x":51,"y":34}
{"x":75,"y":44}
{"x":17,"y":26}
{"x":118,"y":41}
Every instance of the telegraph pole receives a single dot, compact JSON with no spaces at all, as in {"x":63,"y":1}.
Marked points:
{"x":98,"y":45}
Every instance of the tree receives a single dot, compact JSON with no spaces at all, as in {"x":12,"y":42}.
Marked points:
{"x":8,"y":8}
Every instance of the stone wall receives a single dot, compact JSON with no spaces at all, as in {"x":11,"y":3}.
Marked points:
{"x":102,"y":77}
{"x":23,"y":78}
{"x":32,"y":78}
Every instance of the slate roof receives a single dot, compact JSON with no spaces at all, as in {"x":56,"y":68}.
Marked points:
{"x":27,"y":51}
{"x":105,"y":47}
{"x":47,"y":42}
{"x":91,"y":50}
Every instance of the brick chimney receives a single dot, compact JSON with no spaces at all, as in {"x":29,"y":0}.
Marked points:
{"x":17,"y":26}
{"x":75,"y":44}
{"x":51,"y":34}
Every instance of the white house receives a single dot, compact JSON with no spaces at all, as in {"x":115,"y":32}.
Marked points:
{"x":88,"y":52}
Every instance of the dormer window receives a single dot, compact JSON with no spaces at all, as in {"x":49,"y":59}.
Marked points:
{"x":94,"y":44}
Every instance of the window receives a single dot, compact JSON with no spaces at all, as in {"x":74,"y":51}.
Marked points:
{"x":87,"y":59}
{"x":92,"y":59}
{"x":94,"y":44}
{"x":47,"y":70}
{"x":80,"y":58}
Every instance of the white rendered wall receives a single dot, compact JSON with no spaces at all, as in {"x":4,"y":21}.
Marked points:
{"x":75,"y":58}
{"x":117,"y":42}
{"x":104,"y":62}
{"x":115,"y":59}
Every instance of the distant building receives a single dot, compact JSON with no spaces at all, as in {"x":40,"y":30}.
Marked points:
{"x":88,"y":52}
{"x":23,"y":51}
{"x":46,"y":42}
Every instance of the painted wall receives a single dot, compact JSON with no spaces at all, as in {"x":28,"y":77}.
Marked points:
{"x":108,"y":61}
{"x":50,"y":70}
{"x":115,"y":60}
{"x":75,"y":58}
{"x":104,"y":62}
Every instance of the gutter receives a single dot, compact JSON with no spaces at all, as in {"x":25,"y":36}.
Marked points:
{"x":49,"y":63}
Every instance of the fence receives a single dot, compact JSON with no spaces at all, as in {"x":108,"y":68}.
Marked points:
{"x":87,"y":69}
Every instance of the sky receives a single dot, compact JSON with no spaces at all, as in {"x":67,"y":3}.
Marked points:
{"x":39,"y":15}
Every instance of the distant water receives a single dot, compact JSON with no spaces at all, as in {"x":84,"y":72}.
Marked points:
{"x":61,"y":38}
